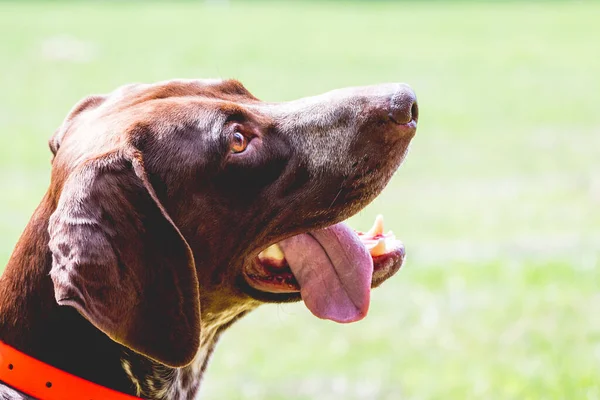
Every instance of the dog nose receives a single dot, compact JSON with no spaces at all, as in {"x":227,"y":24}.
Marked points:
{"x":403,"y":106}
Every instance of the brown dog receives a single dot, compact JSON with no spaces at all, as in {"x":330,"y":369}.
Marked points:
{"x":175,"y":208}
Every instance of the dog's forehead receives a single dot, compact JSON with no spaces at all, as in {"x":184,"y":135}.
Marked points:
{"x":200,"y":103}
{"x":228,"y":90}
{"x":174,"y":101}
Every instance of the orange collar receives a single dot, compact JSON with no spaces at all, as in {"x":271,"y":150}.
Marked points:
{"x":45,"y":382}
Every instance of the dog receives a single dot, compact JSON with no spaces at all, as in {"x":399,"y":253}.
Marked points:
{"x":176,"y":208}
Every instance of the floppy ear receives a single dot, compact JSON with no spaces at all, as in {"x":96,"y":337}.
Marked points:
{"x":118,"y":258}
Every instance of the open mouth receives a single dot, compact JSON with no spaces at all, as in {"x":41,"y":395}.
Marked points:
{"x":333,"y":268}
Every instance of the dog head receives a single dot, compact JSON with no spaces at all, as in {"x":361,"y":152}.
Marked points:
{"x":185,"y":199}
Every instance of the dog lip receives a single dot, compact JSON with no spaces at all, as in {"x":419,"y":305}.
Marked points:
{"x":269,"y":271}
{"x":384,"y":266}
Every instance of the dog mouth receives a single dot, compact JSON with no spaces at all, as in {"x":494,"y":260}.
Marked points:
{"x":333,"y":269}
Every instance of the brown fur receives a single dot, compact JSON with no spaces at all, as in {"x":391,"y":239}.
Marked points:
{"x":131,"y":266}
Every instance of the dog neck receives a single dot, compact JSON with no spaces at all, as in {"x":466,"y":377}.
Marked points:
{"x":32,"y":322}
{"x":156,"y":381}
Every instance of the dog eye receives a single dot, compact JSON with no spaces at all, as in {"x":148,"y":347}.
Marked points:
{"x":239,"y":143}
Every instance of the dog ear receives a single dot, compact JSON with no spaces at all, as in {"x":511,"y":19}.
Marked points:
{"x":85,"y":104}
{"x":118,"y":258}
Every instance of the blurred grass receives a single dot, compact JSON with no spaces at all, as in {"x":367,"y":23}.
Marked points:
{"x":498,"y":202}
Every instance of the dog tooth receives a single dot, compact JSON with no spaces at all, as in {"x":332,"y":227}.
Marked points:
{"x":273,"y":252}
{"x":391,"y":243}
{"x":379,"y":248}
{"x":377,"y":228}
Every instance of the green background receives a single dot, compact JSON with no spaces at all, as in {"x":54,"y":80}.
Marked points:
{"x":497,"y":203}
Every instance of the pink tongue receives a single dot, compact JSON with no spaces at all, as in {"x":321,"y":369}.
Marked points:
{"x":334,"y":270}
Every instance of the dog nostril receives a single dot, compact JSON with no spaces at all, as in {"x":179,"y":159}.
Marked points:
{"x":403,"y":106}
{"x":414,"y":110}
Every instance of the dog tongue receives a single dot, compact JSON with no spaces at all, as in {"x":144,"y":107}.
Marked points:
{"x":334,"y":270}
